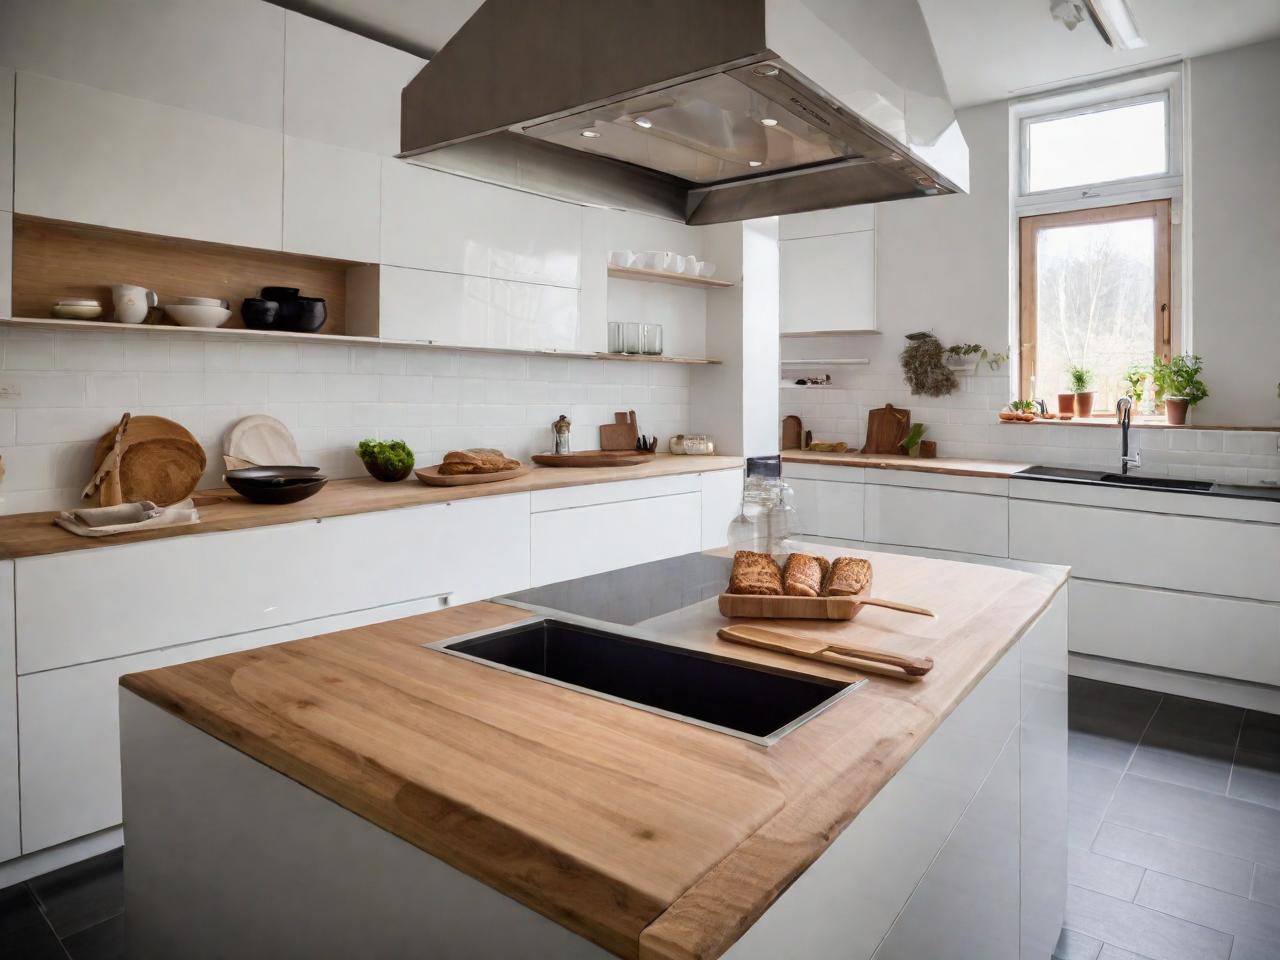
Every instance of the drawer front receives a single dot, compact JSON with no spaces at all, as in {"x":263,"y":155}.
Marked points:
{"x":937,"y":520}
{"x":576,"y":543}
{"x":826,"y":509}
{"x":1182,"y":631}
{"x":1223,"y":557}
{"x":616,"y":492}
{"x":992,"y":486}
{"x":721,"y":502}
{"x":10,"y":841}
{"x":146,"y":596}
{"x":822,"y":471}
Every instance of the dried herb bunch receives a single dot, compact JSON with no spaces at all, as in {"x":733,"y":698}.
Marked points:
{"x":923,"y":368}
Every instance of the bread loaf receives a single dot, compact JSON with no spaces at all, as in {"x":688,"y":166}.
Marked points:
{"x":802,"y":576}
{"x":476,"y":460}
{"x":849,"y":576}
{"x":755,"y":573}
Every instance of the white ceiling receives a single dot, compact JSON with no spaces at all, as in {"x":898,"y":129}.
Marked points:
{"x":988,"y":49}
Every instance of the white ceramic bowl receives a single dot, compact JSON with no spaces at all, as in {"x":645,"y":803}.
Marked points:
{"x":201,"y":302}
{"x":194,"y":315}
{"x":77,"y":310}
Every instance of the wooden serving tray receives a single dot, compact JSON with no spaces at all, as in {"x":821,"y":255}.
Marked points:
{"x":432,"y":477}
{"x":788,"y":608}
{"x":593,"y":458}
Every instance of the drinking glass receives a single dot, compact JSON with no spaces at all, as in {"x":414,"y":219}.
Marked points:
{"x":631,"y":338}
{"x":651,"y":339}
{"x":615,"y":337}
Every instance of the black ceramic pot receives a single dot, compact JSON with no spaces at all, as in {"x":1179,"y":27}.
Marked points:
{"x":304,"y":314}
{"x":259,"y":314}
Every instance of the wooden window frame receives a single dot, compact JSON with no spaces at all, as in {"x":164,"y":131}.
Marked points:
{"x":1028,"y":230}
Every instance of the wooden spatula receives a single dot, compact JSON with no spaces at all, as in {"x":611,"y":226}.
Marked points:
{"x":889,"y":604}
{"x":866,"y":659}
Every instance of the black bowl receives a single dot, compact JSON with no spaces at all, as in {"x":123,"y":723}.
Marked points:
{"x":303,"y":314}
{"x":262,"y":474}
{"x":277,"y":493}
{"x":280,"y":293}
{"x":259,"y":314}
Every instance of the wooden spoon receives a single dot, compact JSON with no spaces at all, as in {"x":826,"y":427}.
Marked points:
{"x":867,"y":659}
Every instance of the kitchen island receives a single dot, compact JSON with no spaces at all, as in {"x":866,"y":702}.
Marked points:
{"x":360,"y":793}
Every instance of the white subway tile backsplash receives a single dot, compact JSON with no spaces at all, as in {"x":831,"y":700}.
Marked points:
{"x":351,"y":386}
{"x":268,"y":357}
{"x":28,"y":352}
{"x":162,"y":388}
{"x":324,"y":358}
{"x":196,"y":355}
{"x":146,"y":352}
{"x":113,"y":390}
{"x":296,"y":387}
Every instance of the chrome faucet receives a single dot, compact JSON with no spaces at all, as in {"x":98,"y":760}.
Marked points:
{"x":1123,"y":407}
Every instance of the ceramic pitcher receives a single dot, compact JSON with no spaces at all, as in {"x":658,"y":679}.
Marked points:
{"x":132,"y":302}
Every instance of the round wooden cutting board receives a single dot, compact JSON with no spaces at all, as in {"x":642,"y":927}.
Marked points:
{"x":160,"y":461}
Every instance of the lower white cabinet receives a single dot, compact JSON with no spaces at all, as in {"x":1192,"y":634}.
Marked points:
{"x":937,"y":519}
{"x":1218,"y":636}
{"x":579,"y":541}
{"x":10,"y":838}
{"x":826,"y":508}
{"x":721,"y":502}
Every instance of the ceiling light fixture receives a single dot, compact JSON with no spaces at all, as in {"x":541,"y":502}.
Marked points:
{"x":644,"y":122}
{"x":769,"y":122}
{"x":591,"y":134}
{"x":1115,"y":22}
{"x":754,"y":163}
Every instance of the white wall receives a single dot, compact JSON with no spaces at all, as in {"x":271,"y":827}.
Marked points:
{"x":1235,"y":229}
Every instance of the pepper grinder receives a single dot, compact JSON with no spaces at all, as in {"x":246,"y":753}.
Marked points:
{"x":561,"y":429}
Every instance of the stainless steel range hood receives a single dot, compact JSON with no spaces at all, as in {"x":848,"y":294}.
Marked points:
{"x":703,"y":111}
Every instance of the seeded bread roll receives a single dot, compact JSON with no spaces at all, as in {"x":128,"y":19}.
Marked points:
{"x":849,"y":576}
{"x":476,"y":460}
{"x":802,"y":576}
{"x":756,"y":574}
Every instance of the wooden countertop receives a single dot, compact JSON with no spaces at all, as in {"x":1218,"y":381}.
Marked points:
{"x":953,"y":466}
{"x":651,"y":837}
{"x":35,"y":534}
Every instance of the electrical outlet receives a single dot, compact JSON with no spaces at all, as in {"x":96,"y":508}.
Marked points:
{"x":10,"y":391}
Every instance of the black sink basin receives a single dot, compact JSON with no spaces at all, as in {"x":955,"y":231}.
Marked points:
{"x":1156,"y":483}
{"x":757,"y":703}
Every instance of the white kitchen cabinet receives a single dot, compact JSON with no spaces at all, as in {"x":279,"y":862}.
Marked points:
{"x":91,"y":156}
{"x":615,"y":491}
{"x":437,"y":221}
{"x":6,"y":141}
{"x":223,"y":59}
{"x":826,"y":508}
{"x":828,"y":283}
{"x":579,"y":541}
{"x":823,"y":223}
{"x":341,"y":88}
{"x":937,"y":519}
{"x":331,"y":198}
{"x":481,"y":546}
{"x":721,"y":502}
{"x":1229,"y":558}
{"x":10,"y":823}
{"x":1193,"y":632}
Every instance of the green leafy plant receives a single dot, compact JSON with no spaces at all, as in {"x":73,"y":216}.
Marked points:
{"x":923,"y":366}
{"x":389,"y":460}
{"x":992,"y":360}
{"x":1022,"y":406}
{"x":1179,"y":377}
{"x":914,"y":437}
{"x":1136,"y":377}
{"x":1081,"y":379}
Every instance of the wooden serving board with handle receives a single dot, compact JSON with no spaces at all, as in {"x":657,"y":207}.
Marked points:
{"x":761,"y":607}
{"x":792,"y":433}
{"x":432,"y":476}
{"x":845,"y":654}
{"x":593,"y":458}
{"x":887,"y":427}
{"x":622,"y":434}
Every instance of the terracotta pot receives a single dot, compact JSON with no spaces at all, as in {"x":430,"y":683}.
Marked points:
{"x":1084,"y":404}
{"x":1067,"y":403}
{"x":928,"y":449}
{"x":1175,"y":410}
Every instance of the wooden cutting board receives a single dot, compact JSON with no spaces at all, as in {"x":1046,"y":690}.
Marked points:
{"x":593,"y":458}
{"x":159,"y":461}
{"x":622,"y":434}
{"x":887,"y":427}
{"x":788,"y":608}
{"x":792,"y":433}
{"x":432,"y":477}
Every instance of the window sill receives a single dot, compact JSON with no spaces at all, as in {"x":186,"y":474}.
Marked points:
{"x":1146,"y":423}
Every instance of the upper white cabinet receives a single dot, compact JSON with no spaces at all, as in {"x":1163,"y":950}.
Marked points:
{"x":331,"y":199}
{"x":223,"y":59}
{"x":823,"y":223}
{"x":90,"y":156}
{"x":10,"y":838}
{"x":828,"y":283}
{"x":6,"y":139}
{"x":437,"y":221}
{"x":343,"y":89}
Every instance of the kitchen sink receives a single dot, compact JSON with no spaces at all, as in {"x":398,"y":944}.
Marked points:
{"x":1156,"y":483}
{"x":753,"y":702}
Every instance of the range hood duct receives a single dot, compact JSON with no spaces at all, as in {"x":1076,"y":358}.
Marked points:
{"x":704,"y":112}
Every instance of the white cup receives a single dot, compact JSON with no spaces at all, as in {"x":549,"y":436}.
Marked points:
{"x":658,"y":259}
{"x":706,"y":269}
{"x":690,"y":265}
{"x":132,"y":303}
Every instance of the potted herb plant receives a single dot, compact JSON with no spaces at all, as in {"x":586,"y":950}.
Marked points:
{"x":965,"y":357}
{"x":911,"y":445}
{"x":387,"y":460}
{"x":1178,"y":382}
{"x":924,"y":368}
{"x":1136,"y":378}
{"x":1081,"y":381}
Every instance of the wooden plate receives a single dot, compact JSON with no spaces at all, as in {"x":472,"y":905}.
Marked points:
{"x":593,"y":458}
{"x":260,"y":439}
{"x":432,"y":477}
{"x":159,"y":461}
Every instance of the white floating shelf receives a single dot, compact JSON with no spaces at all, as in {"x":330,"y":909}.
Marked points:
{"x":280,"y":336}
{"x":826,"y":363}
{"x":666,"y":276}
{"x":831,"y":333}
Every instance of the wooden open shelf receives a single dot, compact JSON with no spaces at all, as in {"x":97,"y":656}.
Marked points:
{"x":826,"y":363}
{"x":830,"y":333}
{"x":53,"y":260}
{"x":280,"y":336}
{"x":664,"y":276}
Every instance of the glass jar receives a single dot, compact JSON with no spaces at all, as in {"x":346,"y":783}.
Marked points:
{"x":615,"y":337}
{"x":651,"y":339}
{"x":631,"y":338}
{"x":765,"y":522}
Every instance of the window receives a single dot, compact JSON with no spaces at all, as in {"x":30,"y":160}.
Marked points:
{"x":1094,"y":293}
{"x":1096,"y":144}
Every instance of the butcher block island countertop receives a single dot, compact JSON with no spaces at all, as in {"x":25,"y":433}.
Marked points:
{"x":651,"y":837}
{"x":34,"y":534}
{"x":954,"y":466}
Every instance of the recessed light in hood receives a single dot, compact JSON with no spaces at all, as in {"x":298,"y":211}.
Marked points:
{"x":705,"y":112}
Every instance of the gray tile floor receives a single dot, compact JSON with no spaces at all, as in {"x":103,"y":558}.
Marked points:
{"x":1174,"y":829}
